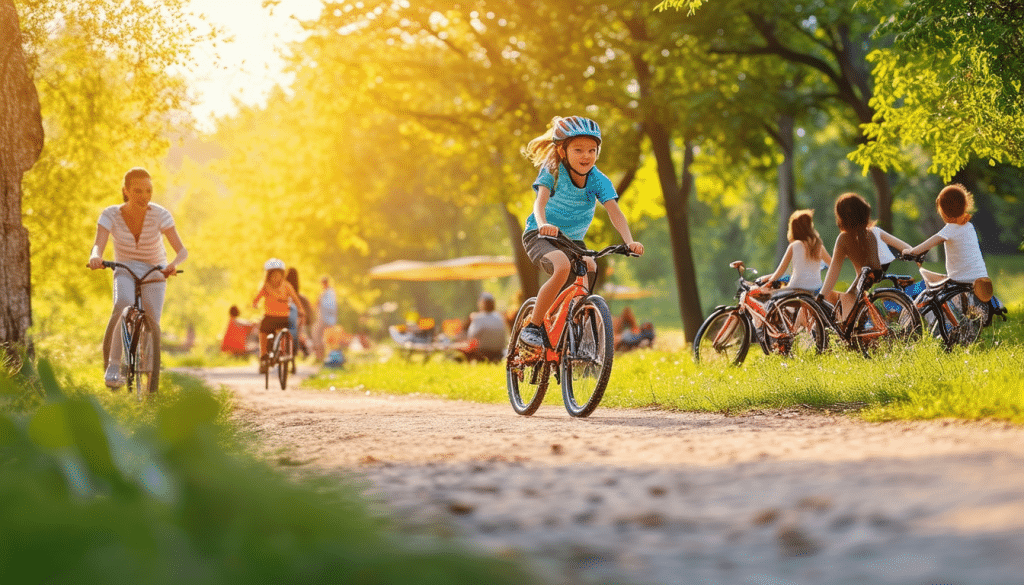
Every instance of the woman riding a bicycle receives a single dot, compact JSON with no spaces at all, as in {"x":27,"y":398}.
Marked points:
{"x":568,"y":187}
{"x":136,"y":226}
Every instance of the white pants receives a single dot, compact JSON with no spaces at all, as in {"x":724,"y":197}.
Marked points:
{"x":124,"y":296}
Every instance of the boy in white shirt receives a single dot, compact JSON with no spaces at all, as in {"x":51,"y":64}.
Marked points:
{"x":963,"y":253}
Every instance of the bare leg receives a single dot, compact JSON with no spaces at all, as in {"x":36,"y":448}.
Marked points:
{"x":550,"y":289}
{"x":931,"y":277}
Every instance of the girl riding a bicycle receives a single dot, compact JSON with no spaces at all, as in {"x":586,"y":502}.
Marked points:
{"x":568,"y":188}
{"x":275,"y":292}
{"x":136,"y":226}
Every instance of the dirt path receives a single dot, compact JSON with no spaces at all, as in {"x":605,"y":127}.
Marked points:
{"x":646,"y":496}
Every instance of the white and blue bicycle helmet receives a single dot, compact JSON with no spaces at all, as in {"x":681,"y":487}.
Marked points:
{"x":573,"y":126}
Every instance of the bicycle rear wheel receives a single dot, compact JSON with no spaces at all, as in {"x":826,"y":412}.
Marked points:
{"x":969,"y":314}
{"x":526,"y":374}
{"x":794,"y":327}
{"x":588,"y":351}
{"x":900,"y":322}
{"x":285,"y":359}
{"x":144,"y":364}
{"x":723,"y":338}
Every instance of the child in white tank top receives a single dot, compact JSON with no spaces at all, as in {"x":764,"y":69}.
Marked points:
{"x":805,"y":251}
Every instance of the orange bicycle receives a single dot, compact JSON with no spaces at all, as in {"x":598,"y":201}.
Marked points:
{"x":578,"y":345}
{"x":785,"y":322}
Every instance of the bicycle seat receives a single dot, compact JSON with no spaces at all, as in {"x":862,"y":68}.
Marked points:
{"x":900,"y":280}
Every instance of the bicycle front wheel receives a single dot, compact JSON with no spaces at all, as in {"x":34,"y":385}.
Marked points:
{"x":723,"y":338}
{"x":900,"y":322}
{"x":144,"y":363}
{"x":283,"y":352}
{"x":526,"y":374}
{"x":794,"y":328}
{"x":588,"y":350}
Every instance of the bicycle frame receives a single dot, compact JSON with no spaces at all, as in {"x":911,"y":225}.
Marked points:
{"x":558,"y":315}
{"x":845,"y":329}
{"x":749,"y":306}
{"x":130,"y":320}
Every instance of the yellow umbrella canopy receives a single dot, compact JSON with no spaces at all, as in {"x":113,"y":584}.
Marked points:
{"x":465,"y":268}
{"x":625,"y":293}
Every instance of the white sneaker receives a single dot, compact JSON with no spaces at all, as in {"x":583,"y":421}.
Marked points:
{"x":532,"y":335}
{"x":113,"y":377}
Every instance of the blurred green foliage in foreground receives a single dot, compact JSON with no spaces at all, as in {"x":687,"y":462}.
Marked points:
{"x":83,"y":499}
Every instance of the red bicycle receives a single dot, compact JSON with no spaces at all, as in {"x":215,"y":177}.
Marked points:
{"x":579,"y":344}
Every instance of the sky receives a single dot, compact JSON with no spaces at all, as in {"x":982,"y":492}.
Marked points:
{"x":249,"y":66}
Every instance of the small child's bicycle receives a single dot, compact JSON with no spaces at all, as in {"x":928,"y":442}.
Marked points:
{"x":786,"y":323}
{"x":280,"y":355}
{"x":140,"y":339}
{"x":579,"y":344}
{"x":951,"y":310}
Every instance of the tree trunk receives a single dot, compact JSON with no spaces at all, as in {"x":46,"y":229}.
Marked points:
{"x":529,"y":279}
{"x":21,"y":141}
{"x":786,"y":184}
{"x":675,"y":190}
{"x":883,"y":188}
{"x":677,"y":198}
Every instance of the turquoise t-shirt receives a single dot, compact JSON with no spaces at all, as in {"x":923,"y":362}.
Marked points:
{"x":571,"y":208}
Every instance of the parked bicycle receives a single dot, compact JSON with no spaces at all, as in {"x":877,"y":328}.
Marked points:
{"x":579,"y":344}
{"x":784,"y":322}
{"x":140,"y":337}
{"x":280,"y":356}
{"x":952,"y":311}
{"x":879,"y":319}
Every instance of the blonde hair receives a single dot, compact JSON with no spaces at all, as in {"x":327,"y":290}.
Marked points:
{"x":953,"y":203}
{"x":801,"y":227}
{"x":542,"y":151}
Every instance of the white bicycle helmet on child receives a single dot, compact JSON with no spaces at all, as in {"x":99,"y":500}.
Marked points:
{"x":273,"y":264}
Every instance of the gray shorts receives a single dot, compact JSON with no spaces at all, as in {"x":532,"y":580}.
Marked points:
{"x":537,"y":248}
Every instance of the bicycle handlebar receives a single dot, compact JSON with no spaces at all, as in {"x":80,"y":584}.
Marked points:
{"x":919,"y":258}
{"x":567,"y":244}
{"x":113,"y":265}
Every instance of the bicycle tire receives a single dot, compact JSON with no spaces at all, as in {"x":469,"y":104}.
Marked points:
{"x":588,"y":352}
{"x":970,"y":314}
{"x":732,"y":330}
{"x":143,"y":374}
{"x":902,"y":322}
{"x":799,"y":328}
{"x":270,"y":357}
{"x":283,"y":354}
{"x":526,"y":377}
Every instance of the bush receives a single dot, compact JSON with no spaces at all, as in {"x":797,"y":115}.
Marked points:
{"x":83,"y":500}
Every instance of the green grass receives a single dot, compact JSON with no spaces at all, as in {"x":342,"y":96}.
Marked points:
{"x":919,"y":382}
{"x":94,"y":484}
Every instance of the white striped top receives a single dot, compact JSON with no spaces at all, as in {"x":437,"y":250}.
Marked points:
{"x":149,"y":248}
